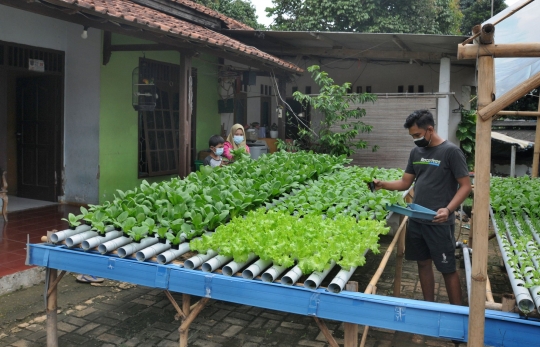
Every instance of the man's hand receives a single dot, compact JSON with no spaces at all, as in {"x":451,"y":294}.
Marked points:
{"x":378,"y":184}
{"x":442,"y":215}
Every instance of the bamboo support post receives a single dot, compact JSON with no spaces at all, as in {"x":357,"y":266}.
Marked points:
{"x":324,"y":329}
{"x":55,"y":283}
{"x":486,"y":89}
{"x":519,"y":113}
{"x":180,"y":313}
{"x":523,"y":50}
{"x":536,"y":155}
{"x":489,"y":294}
{"x":351,"y":330}
{"x":400,"y":253}
{"x":52,"y":331}
{"x":491,"y":109}
{"x":366,"y":328}
{"x":487,"y":33}
{"x":471,"y":228}
{"x":190,"y":316}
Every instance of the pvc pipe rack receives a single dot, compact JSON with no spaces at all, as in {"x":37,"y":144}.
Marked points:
{"x":412,"y":316}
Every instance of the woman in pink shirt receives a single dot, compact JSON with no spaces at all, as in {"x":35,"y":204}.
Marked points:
{"x":235,"y":140}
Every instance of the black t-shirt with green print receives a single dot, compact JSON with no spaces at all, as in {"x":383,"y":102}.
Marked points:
{"x":437,"y":170}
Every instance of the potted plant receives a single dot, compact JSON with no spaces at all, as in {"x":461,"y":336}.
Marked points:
{"x":274,"y":131}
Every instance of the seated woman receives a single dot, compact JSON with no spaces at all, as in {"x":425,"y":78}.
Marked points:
{"x":235,"y":140}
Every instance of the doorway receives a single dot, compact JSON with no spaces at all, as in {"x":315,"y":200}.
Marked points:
{"x":32,"y":115}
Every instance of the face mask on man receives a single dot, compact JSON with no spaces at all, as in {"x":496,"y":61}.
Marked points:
{"x":238,"y":139}
{"x":219,"y":152}
{"x":422,"y":142}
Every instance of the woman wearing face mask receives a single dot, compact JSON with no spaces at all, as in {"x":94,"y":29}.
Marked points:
{"x":235,"y":140}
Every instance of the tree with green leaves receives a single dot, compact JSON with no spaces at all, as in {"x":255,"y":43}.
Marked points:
{"x":241,"y":10}
{"x":478,"y":11}
{"x":376,"y":16}
{"x":340,"y":125}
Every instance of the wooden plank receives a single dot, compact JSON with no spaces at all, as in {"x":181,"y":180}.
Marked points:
{"x":184,"y":123}
{"x":351,"y":330}
{"x":509,"y":97}
{"x":486,"y":88}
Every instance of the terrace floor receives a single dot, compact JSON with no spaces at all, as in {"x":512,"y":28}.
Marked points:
{"x":121,"y":314}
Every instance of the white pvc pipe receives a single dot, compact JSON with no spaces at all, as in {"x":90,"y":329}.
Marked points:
{"x":215,"y":263}
{"x":98,"y":240}
{"x":78,"y":238}
{"x":292,"y":276}
{"x":172,"y":254}
{"x":233,"y":267}
{"x":133,"y":247}
{"x":196,"y":261}
{"x":338,"y":283}
{"x":151,"y":251}
{"x":256,"y":268}
{"x":64,"y":234}
{"x":273,"y":273}
{"x":315,"y":279}
{"x":113,"y":244}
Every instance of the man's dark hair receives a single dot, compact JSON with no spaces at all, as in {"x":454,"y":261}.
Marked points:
{"x":422,"y":118}
{"x":215,"y":140}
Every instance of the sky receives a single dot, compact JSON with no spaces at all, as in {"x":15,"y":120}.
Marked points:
{"x":260,"y":5}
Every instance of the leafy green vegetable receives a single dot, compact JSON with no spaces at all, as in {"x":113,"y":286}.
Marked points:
{"x":73,"y":220}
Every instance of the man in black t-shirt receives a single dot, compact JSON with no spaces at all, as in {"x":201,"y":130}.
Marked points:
{"x":439,"y":170}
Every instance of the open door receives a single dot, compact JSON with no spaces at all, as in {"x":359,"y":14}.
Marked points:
{"x":39,"y":112}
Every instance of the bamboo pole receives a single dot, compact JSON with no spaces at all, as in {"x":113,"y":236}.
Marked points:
{"x":186,"y":308}
{"x":351,"y":330}
{"x":400,"y":253}
{"x":506,"y":50}
{"x":55,"y":283}
{"x":486,"y":88}
{"x":509,"y":97}
{"x":324,"y":329}
{"x":180,"y":313}
{"x":52,"y":331}
{"x":487,"y":33}
{"x":371,"y":287}
{"x":519,"y":113}
{"x":489,"y":294}
{"x":536,"y":155}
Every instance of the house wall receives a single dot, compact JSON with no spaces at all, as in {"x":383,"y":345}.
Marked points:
{"x":81,"y":97}
{"x":386,"y":77}
{"x":118,"y":144}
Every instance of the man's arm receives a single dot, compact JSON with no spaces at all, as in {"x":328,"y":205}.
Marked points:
{"x":462,"y":194}
{"x":403,"y":184}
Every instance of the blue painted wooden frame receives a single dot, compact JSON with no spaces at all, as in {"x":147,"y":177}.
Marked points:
{"x":412,"y":316}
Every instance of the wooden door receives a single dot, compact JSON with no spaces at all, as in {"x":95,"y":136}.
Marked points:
{"x":38,"y":128}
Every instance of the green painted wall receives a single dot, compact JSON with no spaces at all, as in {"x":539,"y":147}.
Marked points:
{"x":118,"y":129}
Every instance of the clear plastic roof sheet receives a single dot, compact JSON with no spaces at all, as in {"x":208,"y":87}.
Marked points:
{"x":521,"y":27}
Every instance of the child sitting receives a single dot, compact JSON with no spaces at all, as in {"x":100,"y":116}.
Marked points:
{"x":216,"y":146}
{"x":235,"y":140}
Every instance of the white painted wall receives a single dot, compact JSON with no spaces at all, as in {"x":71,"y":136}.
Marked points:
{"x":386,"y":77}
{"x":81,"y":97}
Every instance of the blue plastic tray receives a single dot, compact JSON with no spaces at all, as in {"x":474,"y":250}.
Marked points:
{"x":413,"y":211}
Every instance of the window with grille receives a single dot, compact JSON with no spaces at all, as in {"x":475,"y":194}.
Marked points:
{"x":158,"y":129}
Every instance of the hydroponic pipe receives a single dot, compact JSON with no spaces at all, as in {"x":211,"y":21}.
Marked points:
{"x":256,"y":268}
{"x":196,"y":261}
{"x":273,"y":273}
{"x":215,"y":263}
{"x":467,"y":261}
{"x":133,"y":247}
{"x":64,"y":234}
{"x":78,"y":238}
{"x":151,"y":251}
{"x":527,"y":271}
{"x":172,"y":254}
{"x":98,"y":240}
{"x":315,"y":279}
{"x":523,"y":298}
{"x":338,"y":283}
{"x":533,"y":229}
{"x":341,"y":279}
{"x":233,"y":267}
{"x":292,"y":276}
{"x":113,"y":244}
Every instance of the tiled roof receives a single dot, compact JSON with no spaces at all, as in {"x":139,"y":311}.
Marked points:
{"x":231,"y":23}
{"x":125,"y":11}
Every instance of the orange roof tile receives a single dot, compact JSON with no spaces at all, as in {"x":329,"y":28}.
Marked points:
{"x":153,"y":19}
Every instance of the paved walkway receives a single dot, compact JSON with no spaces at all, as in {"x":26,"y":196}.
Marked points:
{"x":121,"y":314}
